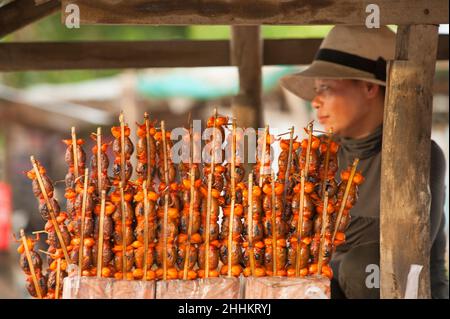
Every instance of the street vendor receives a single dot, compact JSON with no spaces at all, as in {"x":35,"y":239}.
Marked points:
{"x":346,"y":86}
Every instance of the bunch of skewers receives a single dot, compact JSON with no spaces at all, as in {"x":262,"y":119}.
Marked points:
{"x":190,"y":220}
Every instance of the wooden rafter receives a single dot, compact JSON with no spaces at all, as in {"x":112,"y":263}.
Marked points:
{"x":19,"y":14}
{"x":149,"y":54}
{"x":253,"y":12}
{"x":5,"y":2}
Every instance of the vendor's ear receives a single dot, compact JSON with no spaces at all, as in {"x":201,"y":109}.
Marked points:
{"x":371,"y":90}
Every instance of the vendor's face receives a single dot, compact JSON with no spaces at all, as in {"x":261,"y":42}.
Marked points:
{"x":341,"y":105}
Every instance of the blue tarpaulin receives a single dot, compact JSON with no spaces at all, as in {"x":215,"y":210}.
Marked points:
{"x":202,"y":83}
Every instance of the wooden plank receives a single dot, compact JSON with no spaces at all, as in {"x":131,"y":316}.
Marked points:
{"x":246,"y":54}
{"x":18,"y":14}
{"x":112,"y":55}
{"x":290,"y":51}
{"x":255,"y":12}
{"x":405,"y":166}
{"x":153,"y":54}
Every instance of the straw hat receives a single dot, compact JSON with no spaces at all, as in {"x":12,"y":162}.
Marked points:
{"x":348,"y":52}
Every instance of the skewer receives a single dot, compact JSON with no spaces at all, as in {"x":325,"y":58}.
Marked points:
{"x":308,"y":150}
{"x":285,"y":133}
{"x":191,"y":201}
{"x":30,"y":263}
{"x":263,"y":155}
{"x":327,"y":161}
{"x":74,"y":149}
{"x":99,"y":161}
{"x":45,"y":252}
{"x":344,"y":198}
{"x":166,"y":200}
{"x":50,"y":209}
{"x":122,"y":148}
{"x":146,"y":209}
{"x":40,"y":232}
{"x":289,"y":164}
{"x":147,"y":137}
{"x":124,"y":229}
{"x":209,"y":197}
{"x":322,"y":233}
{"x":250,"y":224}
{"x":58,"y":278}
{"x":300,"y":222}
{"x":83,"y":216}
{"x":233,"y":195}
{"x":274,"y":232}
{"x":100,"y":236}
{"x":207,"y":228}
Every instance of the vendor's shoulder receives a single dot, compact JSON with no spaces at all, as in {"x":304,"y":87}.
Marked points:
{"x":437,"y":155}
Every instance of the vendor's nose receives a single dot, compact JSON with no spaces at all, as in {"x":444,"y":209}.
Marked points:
{"x":316,"y":102}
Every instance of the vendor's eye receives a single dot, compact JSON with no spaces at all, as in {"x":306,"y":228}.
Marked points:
{"x":322,"y":88}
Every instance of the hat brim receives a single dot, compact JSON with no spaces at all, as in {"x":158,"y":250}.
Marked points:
{"x":302,"y":83}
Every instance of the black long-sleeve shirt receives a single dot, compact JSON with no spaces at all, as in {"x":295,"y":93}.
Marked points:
{"x":365,"y":223}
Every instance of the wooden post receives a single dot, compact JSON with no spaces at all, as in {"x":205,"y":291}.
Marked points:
{"x":405,"y":167}
{"x":246,"y":54}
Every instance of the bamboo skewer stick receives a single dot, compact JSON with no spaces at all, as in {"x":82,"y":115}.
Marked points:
{"x":289,"y":164}
{"x":250,"y":224}
{"x":285,"y":133}
{"x":50,"y":209}
{"x":166,"y":200}
{"x":83,"y":216}
{"x":100,"y":236}
{"x":40,"y":232}
{"x":46,"y":253}
{"x":147,"y":137}
{"x":233,"y":195}
{"x":274,"y":227}
{"x":308,"y":150}
{"x":263,"y":156}
{"x":74,"y":150}
{"x":322,"y":233}
{"x":300,"y":222}
{"x":122,"y":149}
{"x":146,"y":184}
{"x":344,"y":198}
{"x":124,"y":229}
{"x":191,"y":202}
{"x":58,"y":278}
{"x":146,"y":209}
{"x":327,"y":161}
{"x":209,"y":197}
{"x":30,"y":264}
{"x":99,"y":161}
{"x":207,"y":228}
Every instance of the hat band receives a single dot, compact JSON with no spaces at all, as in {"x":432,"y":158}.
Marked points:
{"x":375,"y":67}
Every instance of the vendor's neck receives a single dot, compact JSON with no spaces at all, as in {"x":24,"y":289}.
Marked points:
{"x":360,"y":133}
{"x":365,"y":125}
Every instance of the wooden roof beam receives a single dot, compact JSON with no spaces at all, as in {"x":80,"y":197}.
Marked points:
{"x":19,"y":14}
{"x":256,"y":12}
{"x":152,"y":54}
